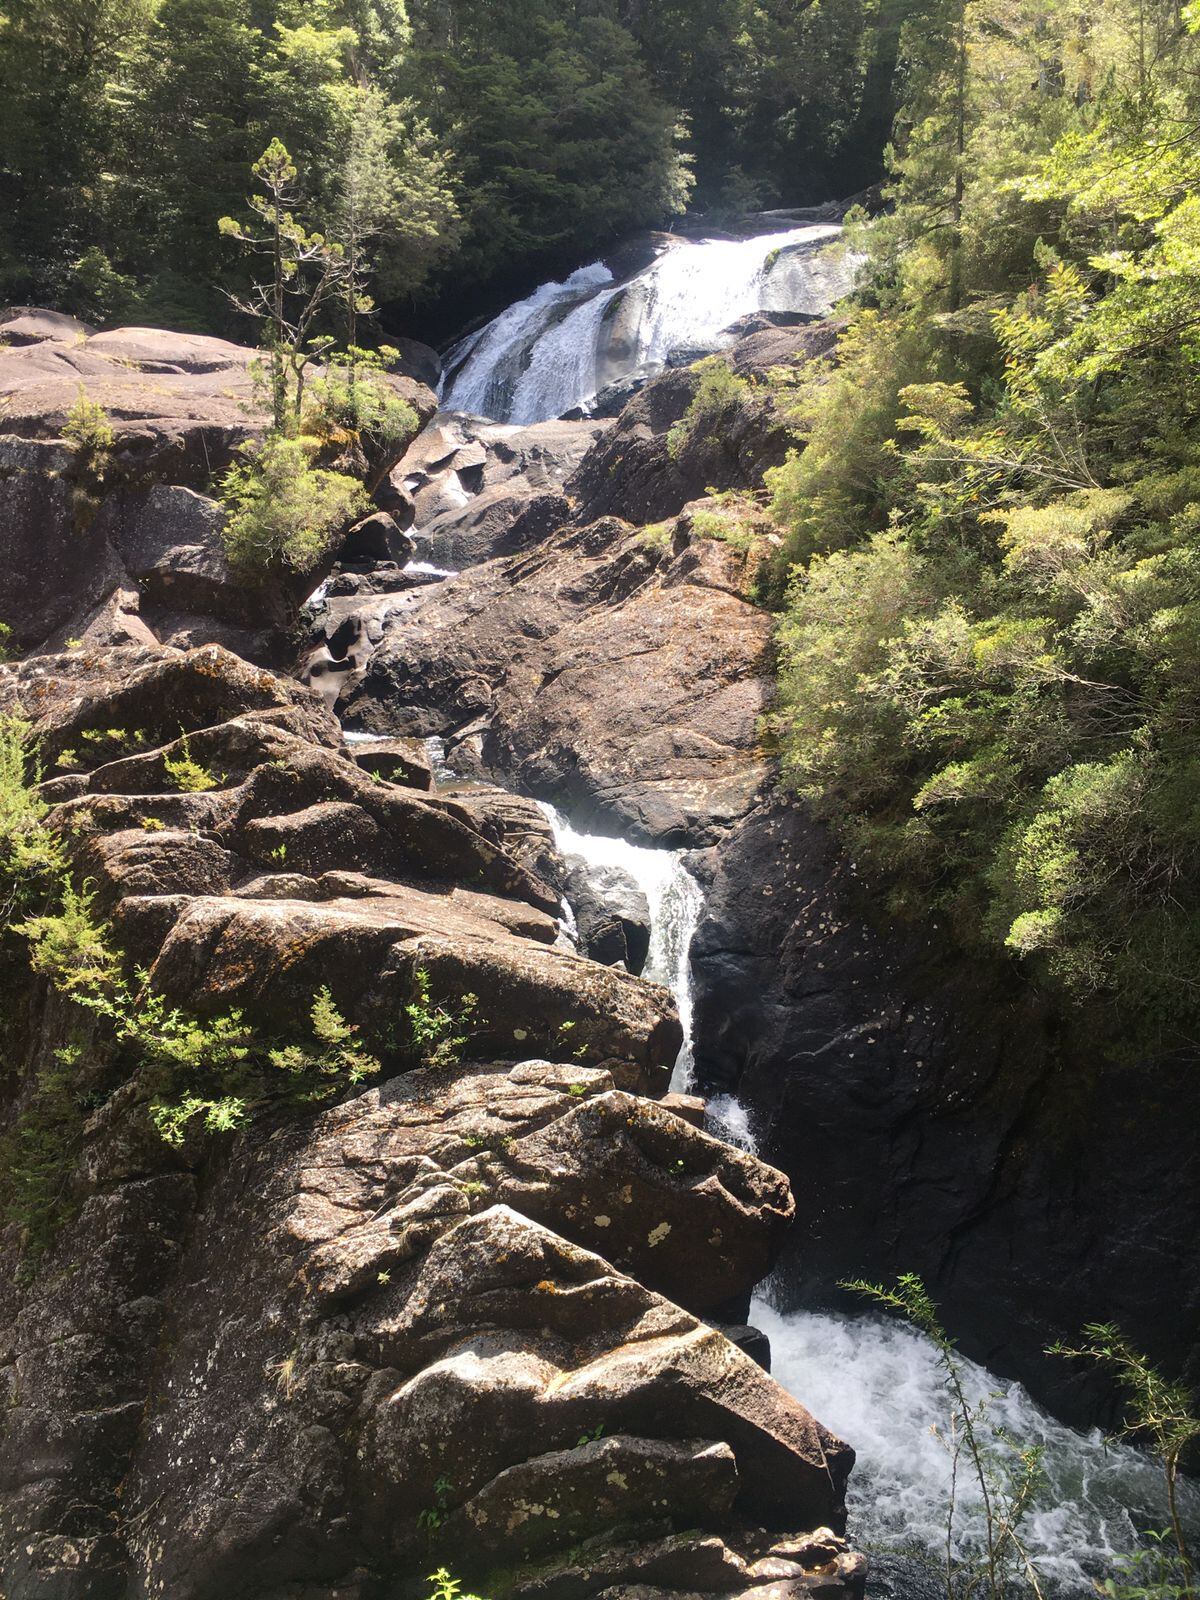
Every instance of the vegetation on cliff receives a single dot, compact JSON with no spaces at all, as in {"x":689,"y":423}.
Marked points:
{"x":988,"y":652}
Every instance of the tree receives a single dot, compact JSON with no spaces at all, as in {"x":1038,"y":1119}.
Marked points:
{"x":307,"y":274}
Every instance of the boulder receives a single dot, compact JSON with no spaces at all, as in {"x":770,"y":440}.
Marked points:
{"x":376,"y":538}
{"x":622,"y":673}
{"x":632,"y":472}
{"x":76,"y":530}
{"x":403,"y":761}
{"x":473,"y":489}
{"x":180,"y":404}
{"x":612,"y":915}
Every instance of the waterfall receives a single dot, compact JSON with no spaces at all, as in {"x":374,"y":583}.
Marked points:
{"x":675,"y":900}
{"x":561,"y":346}
{"x":878,"y":1383}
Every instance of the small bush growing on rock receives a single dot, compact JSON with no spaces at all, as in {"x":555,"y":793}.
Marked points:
{"x":353,"y":403}
{"x":444,"y":1587}
{"x":282,"y":512}
{"x":87,"y":425}
{"x":30,"y":853}
{"x":438,"y":1032}
{"x":215,"y":1071}
{"x":188,"y":776}
{"x":718,"y":391}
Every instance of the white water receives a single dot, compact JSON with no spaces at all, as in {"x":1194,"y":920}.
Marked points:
{"x":675,"y":900}
{"x":878,"y":1384}
{"x":558,"y":348}
{"x":428,"y":570}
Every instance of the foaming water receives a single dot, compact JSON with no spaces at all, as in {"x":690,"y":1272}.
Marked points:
{"x":556,"y":349}
{"x":675,"y":900}
{"x":878,"y":1384}
{"x":428,"y":570}
{"x":725,"y":1117}
{"x":492,"y":361}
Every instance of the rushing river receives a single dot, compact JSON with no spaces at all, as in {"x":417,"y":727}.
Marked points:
{"x":875,"y":1382}
{"x":879,"y":1384}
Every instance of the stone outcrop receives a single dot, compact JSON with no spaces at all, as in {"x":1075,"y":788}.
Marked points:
{"x":612,"y":916}
{"x":127,"y":549}
{"x":987,"y":1156}
{"x":465,"y":1316}
{"x":632,"y":472}
{"x":622,"y":673}
{"x":472,"y":489}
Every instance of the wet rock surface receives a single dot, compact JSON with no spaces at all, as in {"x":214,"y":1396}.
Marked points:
{"x":623,"y":674}
{"x":986,"y":1157}
{"x":458,"y":1316}
{"x":612,"y":915}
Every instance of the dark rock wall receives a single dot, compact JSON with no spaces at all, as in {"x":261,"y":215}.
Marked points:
{"x":932,"y":1120}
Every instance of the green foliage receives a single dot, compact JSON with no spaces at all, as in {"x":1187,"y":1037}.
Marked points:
{"x":990,"y":652}
{"x":30,"y":853}
{"x":444,"y":1587}
{"x":187,"y":775}
{"x":352,"y":405}
{"x":87,"y":426}
{"x":438,"y":1031}
{"x":1163,"y":1414}
{"x":281,"y":512}
{"x":719,"y":393}
{"x":37,"y":1156}
{"x":214,"y":1072}
{"x":1006,"y":1475}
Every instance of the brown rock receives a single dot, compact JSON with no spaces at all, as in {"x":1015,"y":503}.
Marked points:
{"x":620,"y":673}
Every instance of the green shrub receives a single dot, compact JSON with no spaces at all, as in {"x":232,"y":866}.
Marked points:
{"x":216,"y":1071}
{"x":1000,"y":1474}
{"x":188,"y":776}
{"x":353,"y":396}
{"x":438,"y":1032}
{"x":30,"y":853}
{"x":1162,"y":1415}
{"x":445,"y":1587}
{"x":87,"y":425}
{"x":281,"y":512}
{"x":718,"y":392}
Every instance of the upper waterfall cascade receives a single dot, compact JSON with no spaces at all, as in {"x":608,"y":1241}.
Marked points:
{"x":567,"y":341}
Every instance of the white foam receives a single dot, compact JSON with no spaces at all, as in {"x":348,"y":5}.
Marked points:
{"x":549,"y":353}
{"x":675,"y":900}
{"x":878,"y":1384}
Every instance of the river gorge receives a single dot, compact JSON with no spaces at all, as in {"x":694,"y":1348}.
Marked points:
{"x":506,"y":777}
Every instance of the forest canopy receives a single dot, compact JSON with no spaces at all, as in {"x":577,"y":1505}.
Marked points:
{"x":990,"y":643}
{"x":507,"y":137}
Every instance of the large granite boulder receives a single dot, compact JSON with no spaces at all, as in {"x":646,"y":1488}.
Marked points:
{"x":620,"y":672}
{"x":89,"y":544}
{"x":455,"y":1317}
{"x":612,"y":916}
{"x":470,"y":489}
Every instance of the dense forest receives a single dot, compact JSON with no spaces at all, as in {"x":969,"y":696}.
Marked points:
{"x":506,"y":138}
{"x":989,"y":643}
